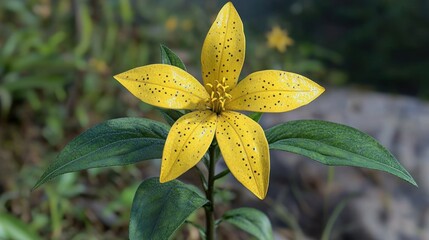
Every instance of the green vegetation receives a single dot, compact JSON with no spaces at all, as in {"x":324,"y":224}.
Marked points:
{"x":57,"y":59}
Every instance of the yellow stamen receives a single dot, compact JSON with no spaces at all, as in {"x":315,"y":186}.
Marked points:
{"x":218,"y":96}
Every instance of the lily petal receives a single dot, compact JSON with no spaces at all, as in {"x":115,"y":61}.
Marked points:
{"x":273,"y":91}
{"x":164,"y":86}
{"x":224,"y":49}
{"x":245,"y":149}
{"x":188,"y":141}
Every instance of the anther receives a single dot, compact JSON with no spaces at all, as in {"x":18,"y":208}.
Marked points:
{"x":218,"y":95}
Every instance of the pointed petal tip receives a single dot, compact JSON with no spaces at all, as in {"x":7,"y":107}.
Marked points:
{"x":261,"y":196}
{"x":317,"y":87}
{"x":249,"y":144}
{"x":117,"y":77}
{"x":231,"y":6}
{"x":166,"y":177}
{"x":320,"y":90}
{"x":163,"y":179}
{"x":258,"y":192}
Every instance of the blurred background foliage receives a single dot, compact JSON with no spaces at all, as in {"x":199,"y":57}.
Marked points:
{"x":57,"y":59}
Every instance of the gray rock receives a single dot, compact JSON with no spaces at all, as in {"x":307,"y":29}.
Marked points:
{"x":386,"y":207}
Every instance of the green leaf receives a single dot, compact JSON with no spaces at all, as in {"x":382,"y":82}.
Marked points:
{"x":159,"y":209}
{"x":170,"y":58}
{"x":115,"y":142}
{"x":256,"y":116}
{"x":334,"y":144}
{"x":251,"y":221}
{"x":13,"y":228}
{"x":170,"y":115}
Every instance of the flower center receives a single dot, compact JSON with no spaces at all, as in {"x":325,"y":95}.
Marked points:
{"x":218,"y":96}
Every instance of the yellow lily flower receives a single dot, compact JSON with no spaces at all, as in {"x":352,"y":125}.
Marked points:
{"x":241,"y":140}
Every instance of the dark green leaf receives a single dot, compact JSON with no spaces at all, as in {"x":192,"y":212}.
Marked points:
{"x":251,"y":221}
{"x":169,"y":57}
{"x":334,"y":144}
{"x":115,"y":142}
{"x":159,"y":209}
{"x":256,"y":116}
{"x":171,"y":115}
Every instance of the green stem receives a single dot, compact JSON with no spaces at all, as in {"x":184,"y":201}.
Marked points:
{"x":55,"y":213}
{"x":222,"y":174}
{"x":209,"y":209}
{"x":329,"y":184}
{"x":331,"y":175}
{"x":326,"y":235}
{"x":202,"y":177}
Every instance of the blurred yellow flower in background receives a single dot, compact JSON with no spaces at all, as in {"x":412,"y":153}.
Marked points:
{"x":187,"y":25}
{"x":171,"y":23}
{"x":279,"y":39}
{"x":98,"y":65}
{"x":43,"y":8}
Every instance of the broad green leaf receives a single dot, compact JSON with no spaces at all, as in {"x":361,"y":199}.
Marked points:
{"x":251,"y":221}
{"x":170,"y":115}
{"x":159,"y":209}
{"x":170,"y":58}
{"x":335,"y":144}
{"x":13,"y":228}
{"x":115,"y":142}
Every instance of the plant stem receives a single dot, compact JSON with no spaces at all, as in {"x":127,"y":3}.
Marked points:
{"x":329,"y":184}
{"x":210,"y":220}
{"x":222,"y":174}
{"x":331,"y":175}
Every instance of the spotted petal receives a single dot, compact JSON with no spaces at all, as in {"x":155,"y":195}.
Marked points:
{"x":273,"y":91}
{"x":188,"y":141}
{"x":245,"y":150}
{"x":224,"y":48}
{"x":164,"y":86}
